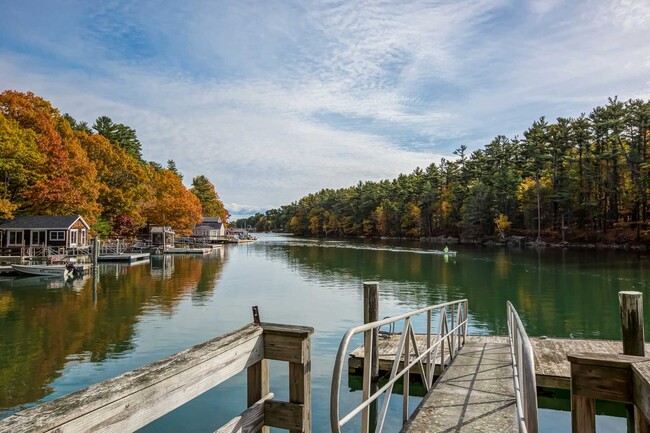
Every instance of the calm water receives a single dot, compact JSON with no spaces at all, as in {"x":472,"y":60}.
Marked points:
{"x":56,"y":338}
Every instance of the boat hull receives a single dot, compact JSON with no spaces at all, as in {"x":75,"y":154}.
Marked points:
{"x":53,"y":271}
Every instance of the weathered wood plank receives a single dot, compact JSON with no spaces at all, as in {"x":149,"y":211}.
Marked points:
{"x":475,"y":394}
{"x":132,"y":400}
{"x":284,"y":342}
{"x":602,"y":382}
{"x":583,"y":414}
{"x":641,"y":387}
{"x":282,"y":414}
{"x":300,"y":385}
{"x":250,"y":421}
{"x":258,"y":386}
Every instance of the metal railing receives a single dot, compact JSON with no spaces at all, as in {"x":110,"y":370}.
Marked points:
{"x":523,"y":363}
{"x":452,"y":329}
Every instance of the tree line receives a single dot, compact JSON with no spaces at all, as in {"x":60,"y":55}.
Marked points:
{"x":580,"y":176}
{"x":51,"y":164}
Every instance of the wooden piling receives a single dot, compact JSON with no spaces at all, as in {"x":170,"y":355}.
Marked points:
{"x":631,"y":309}
{"x":631,"y":306}
{"x":96,"y":245}
{"x":371,"y":358}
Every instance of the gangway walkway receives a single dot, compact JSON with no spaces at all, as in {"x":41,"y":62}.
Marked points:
{"x":483,"y":386}
{"x":475,"y":394}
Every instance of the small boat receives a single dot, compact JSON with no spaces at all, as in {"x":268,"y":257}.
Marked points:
{"x":445,"y":253}
{"x":44,"y":270}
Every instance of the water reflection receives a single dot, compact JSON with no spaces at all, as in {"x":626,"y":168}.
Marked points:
{"x":557,"y":292}
{"x":47,"y":322}
{"x":57,"y":338}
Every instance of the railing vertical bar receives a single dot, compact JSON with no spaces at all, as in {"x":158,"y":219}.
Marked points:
{"x":389,"y":391}
{"x":452,"y":346}
{"x":429,"y":366}
{"x":367,"y":377}
{"x":405,"y":380}
{"x":443,"y":326}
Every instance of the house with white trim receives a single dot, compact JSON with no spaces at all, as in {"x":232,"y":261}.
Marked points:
{"x":68,"y":231}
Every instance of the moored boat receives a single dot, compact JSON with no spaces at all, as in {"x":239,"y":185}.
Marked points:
{"x":44,"y":270}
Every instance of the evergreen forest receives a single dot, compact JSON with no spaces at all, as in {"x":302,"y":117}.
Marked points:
{"x":582,"y":179}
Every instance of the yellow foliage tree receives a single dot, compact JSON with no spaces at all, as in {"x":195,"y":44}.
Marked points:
{"x":502,"y":224}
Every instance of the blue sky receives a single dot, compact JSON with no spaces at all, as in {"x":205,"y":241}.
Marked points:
{"x":273,"y":100}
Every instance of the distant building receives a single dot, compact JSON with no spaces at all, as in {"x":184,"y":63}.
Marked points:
{"x":216,"y":224}
{"x":206,"y":232}
{"x":68,"y":231}
{"x":239,"y":233}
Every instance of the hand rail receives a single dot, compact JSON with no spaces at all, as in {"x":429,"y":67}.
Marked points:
{"x":523,"y":363}
{"x":453,"y":334}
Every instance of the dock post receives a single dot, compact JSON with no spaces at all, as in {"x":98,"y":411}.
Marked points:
{"x":293,"y":345}
{"x":371,"y":357}
{"x":631,"y":308}
{"x":371,"y":314}
{"x":96,"y":244}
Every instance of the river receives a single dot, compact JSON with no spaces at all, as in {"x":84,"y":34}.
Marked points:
{"x":58,"y":337}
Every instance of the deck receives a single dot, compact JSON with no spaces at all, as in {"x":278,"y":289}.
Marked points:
{"x":475,"y":394}
{"x":552,"y":369}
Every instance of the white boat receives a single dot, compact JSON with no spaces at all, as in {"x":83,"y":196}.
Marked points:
{"x":47,"y":270}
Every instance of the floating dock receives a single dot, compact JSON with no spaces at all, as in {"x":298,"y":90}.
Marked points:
{"x":187,"y":250}
{"x":124,"y":257}
{"x":552,"y":369}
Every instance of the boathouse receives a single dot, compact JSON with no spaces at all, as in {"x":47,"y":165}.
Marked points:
{"x":68,"y":231}
{"x":159,"y":236}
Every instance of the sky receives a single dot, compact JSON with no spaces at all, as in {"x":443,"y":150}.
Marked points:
{"x":273,"y":100}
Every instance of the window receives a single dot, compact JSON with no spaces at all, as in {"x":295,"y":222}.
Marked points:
{"x":74,"y":237}
{"x":15,"y":238}
{"x":38,"y":237}
{"x":83,"y":237}
{"x":57,"y":236}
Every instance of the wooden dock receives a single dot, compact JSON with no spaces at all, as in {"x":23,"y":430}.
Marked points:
{"x":552,"y":369}
{"x":475,"y":394}
{"x":123,"y":257}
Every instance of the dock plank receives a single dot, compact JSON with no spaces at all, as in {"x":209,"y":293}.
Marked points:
{"x":475,"y":394}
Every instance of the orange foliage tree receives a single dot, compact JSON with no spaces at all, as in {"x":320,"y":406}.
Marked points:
{"x":68,"y":182}
{"x":171,"y":204}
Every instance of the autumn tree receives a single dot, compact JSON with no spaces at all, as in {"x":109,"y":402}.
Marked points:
{"x":124,"y":184}
{"x":67,"y":182}
{"x":211,"y":204}
{"x":19,"y":160}
{"x":171,"y":203}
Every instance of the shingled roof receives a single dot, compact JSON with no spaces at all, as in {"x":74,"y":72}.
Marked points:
{"x":52,"y":222}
